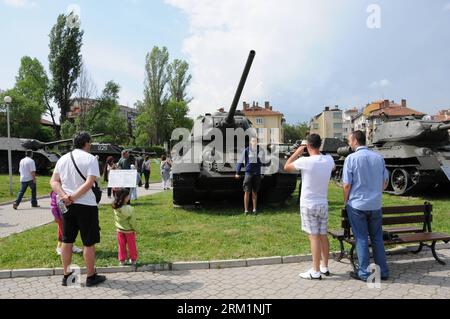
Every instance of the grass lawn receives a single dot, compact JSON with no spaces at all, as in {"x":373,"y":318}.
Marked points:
{"x":167,"y":234}
{"x":43,"y":187}
{"x":43,"y":184}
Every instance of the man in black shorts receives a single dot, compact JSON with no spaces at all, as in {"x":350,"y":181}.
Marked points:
{"x":253,"y":157}
{"x":81,"y":216}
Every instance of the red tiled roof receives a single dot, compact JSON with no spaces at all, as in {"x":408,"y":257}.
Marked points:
{"x":260,"y":111}
{"x":396,"y":110}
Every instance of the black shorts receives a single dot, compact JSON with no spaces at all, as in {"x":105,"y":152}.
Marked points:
{"x":83,"y":219}
{"x":252,"y":183}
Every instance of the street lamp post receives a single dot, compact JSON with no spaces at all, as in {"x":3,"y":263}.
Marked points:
{"x":8,"y":101}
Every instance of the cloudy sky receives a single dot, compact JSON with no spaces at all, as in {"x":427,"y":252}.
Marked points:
{"x":308,"y":53}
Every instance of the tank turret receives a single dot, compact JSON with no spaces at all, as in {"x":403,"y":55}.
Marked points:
{"x":411,"y":131}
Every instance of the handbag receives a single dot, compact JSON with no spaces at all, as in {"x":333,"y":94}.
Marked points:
{"x":95,"y":189}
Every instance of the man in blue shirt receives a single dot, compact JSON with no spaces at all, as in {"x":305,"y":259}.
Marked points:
{"x":365,"y":178}
{"x":253,"y":157}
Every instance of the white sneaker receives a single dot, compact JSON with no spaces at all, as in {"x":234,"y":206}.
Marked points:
{"x":58,"y":251}
{"x":121,"y":263}
{"x":77,"y":250}
{"x":325,"y":271}
{"x":311,"y":275}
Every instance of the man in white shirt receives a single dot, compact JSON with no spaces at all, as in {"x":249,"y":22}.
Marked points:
{"x":27,"y":170}
{"x":82,"y":210}
{"x":316,"y":173}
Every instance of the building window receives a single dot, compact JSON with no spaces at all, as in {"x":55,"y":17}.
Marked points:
{"x":337,"y":126}
{"x":337,"y":115}
{"x":315,"y":126}
{"x":259,"y":120}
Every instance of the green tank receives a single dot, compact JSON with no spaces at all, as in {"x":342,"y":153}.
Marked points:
{"x":210,"y":179}
{"x":416,"y":152}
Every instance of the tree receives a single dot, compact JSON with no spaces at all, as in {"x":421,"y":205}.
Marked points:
{"x":86,"y":90}
{"x":295,"y":132}
{"x":155,"y":96}
{"x":33,"y":83}
{"x":25,"y":116}
{"x":105,"y":116}
{"x":65,"y":62}
{"x":165,"y":104}
{"x":179,"y":80}
{"x":177,"y":115}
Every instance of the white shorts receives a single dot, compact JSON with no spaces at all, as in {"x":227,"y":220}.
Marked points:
{"x":315,"y":219}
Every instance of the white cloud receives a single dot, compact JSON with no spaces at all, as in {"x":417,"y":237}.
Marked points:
{"x":20,"y":3}
{"x":380,"y":84}
{"x":292,"y":39}
{"x":108,"y":62}
{"x":446,"y":7}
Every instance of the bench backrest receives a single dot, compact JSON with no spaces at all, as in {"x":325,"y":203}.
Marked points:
{"x":399,"y":215}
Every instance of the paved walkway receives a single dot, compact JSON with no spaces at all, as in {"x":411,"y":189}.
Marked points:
{"x":412,"y":276}
{"x":17,"y":221}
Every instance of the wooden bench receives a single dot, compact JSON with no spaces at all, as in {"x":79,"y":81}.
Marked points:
{"x":412,"y":225}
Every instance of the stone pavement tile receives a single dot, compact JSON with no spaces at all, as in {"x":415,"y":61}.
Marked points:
{"x":428,"y":280}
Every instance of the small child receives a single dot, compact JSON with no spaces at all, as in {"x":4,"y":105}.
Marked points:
{"x":58,"y":220}
{"x":125,"y":222}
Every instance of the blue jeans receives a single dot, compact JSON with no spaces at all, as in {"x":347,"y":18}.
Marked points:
{"x":365,"y":224}
{"x":23,"y":189}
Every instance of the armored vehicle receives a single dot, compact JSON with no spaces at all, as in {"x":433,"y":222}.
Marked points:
{"x":45,"y":160}
{"x":205,"y":177}
{"x":44,"y":154}
{"x":416,"y":152}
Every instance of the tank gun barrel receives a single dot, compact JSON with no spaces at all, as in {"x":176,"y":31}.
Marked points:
{"x":69,"y":140}
{"x":440,"y":127}
{"x":230,"y":117}
{"x":344,"y":151}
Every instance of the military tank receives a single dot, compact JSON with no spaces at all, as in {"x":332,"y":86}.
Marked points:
{"x":208,"y":178}
{"x":416,"y":152}
{"x":45,"y":160}
{"x":43,"y":154}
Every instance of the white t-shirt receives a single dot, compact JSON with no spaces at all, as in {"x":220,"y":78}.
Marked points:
{"x":316,"y":173}
{"x":26,"y":167}
{"x":70,"y":178}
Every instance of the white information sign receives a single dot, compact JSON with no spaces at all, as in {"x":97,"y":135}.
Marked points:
{"x":446,"y":170}
{"x":122,"y":178}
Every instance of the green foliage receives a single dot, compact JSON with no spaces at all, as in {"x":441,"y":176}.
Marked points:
{"x":165,"y":105}
{"x":295,"y":132}
{"x":179,"y":80}
{"x":32,"y":81}
{"x":25,"y":116}
{"x":45,"y":134}
{"x":65,"y":62}
{"x":105,"y":117}
{"x":68,"y":129}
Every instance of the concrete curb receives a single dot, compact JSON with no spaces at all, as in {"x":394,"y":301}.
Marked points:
{"x":194,"y":265}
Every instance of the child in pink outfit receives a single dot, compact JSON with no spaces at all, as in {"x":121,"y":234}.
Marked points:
{"x":125,"y":222}
{"x":58,"y":220}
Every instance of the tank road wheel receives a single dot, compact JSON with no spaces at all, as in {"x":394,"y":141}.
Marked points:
{"x":400,"y":181}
